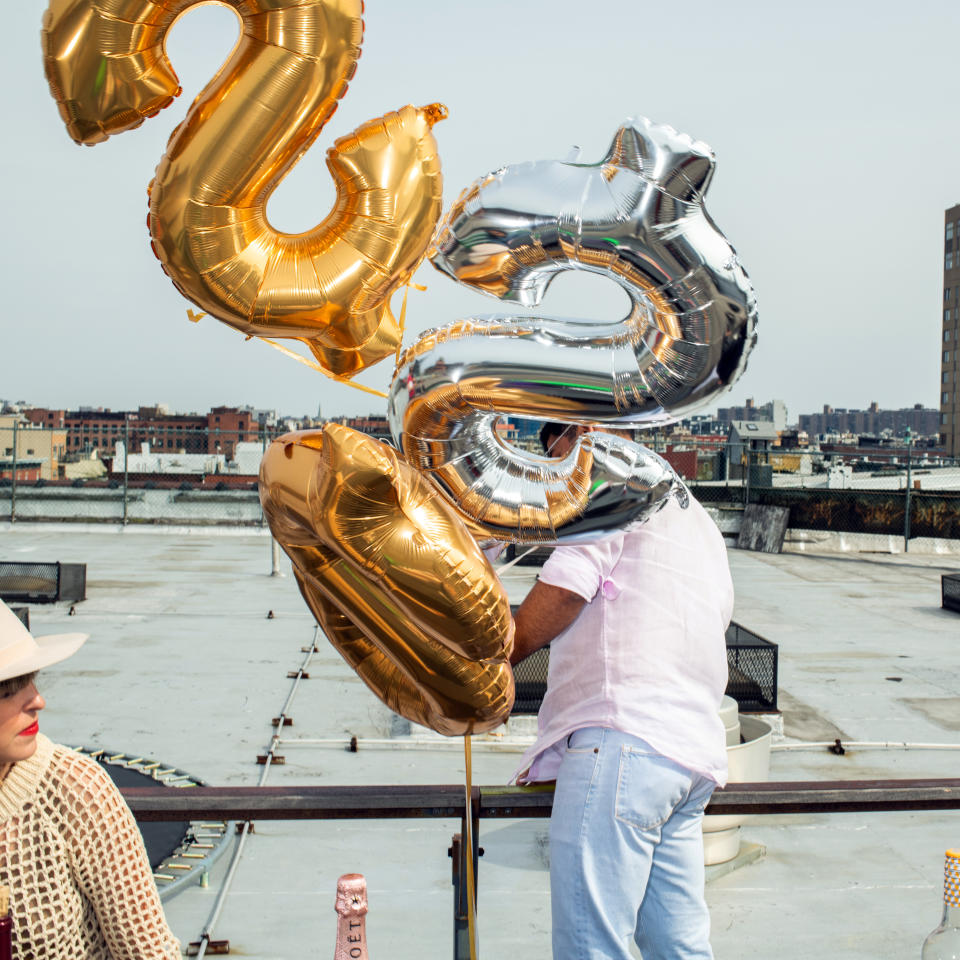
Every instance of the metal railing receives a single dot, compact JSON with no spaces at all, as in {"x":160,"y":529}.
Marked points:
{"x":906,"y":493}
{"x":134,"y":475}
{"x":447,"y":801}
{"x":39,"y":582}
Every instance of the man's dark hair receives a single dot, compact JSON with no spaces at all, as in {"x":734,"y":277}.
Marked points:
{"x":550,"y":432}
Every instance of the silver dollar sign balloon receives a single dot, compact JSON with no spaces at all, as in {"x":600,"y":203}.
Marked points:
{"x":636,"y":217}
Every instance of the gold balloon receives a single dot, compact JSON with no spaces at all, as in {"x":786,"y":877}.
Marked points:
{"x":395,"y":580}
{"x":329,"y":286}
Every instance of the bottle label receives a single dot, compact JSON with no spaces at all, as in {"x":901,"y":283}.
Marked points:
{"x":951,"y":882}
{"x":351,"y":907}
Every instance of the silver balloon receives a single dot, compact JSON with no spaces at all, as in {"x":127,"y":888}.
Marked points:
{"x":637,"y":218}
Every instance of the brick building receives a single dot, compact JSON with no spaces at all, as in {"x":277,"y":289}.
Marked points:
{"x":228,"y":426}
{"x":167,"y":432}
{"x":371,"y":424}
{"x":37,"y":452}
{"x":218,"y":431}
{"x":86,"y":429}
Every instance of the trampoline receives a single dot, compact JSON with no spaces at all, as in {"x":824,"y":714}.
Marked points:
{"x":180,"y":852}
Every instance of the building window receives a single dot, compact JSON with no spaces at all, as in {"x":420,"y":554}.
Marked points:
{"x":946,"y":336}
{"x":946,"y":356}
{"x":948,"y":262}
{"x":944,"y":397}
{"x":944,"y":418}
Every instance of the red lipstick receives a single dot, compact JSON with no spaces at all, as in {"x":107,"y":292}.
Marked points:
{"x":32,"y":730}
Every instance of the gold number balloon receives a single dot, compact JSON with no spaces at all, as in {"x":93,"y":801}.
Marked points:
{"x":394,"y":578}
{"x":330,"y":286}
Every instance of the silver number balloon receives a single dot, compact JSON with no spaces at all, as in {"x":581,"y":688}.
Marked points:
{"x":636,"y":217}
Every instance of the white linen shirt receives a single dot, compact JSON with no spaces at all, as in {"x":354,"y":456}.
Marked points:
{"x":647,"y":654}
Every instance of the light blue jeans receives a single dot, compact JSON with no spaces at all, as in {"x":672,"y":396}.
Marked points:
{"x":626,"y":852}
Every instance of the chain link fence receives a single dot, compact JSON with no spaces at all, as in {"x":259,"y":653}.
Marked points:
{"x":209,"y":477}
{"x":193,"y":477}
{"x":907,"y":492}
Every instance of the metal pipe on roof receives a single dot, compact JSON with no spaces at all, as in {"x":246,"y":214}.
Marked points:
{"x":862,"y":745}
{"x":500,"y":745}
{"x":207,"y":935}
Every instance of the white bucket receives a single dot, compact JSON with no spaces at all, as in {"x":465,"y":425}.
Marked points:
{"x":749,"y":762}
{"x":730,"y":717}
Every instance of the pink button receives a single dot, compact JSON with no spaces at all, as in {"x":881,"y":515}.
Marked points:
{"x":610,"y":590}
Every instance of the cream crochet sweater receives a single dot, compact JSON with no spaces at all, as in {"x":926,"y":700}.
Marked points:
{"x":70,"y":852}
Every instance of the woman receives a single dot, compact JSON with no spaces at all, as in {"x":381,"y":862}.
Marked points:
{"x":70,"y":852}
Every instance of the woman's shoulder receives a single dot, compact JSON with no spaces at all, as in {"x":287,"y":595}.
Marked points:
{"x":58,"y":782}
{"x":78,"y":779}
{"x":20,"y":787}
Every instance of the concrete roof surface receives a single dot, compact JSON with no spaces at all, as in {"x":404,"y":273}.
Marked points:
{"x":184,"y":666}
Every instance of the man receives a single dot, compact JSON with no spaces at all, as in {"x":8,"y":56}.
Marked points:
{"x":629,"y":728}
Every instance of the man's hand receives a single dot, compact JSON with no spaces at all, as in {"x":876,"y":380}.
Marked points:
{"x":544,"y":614}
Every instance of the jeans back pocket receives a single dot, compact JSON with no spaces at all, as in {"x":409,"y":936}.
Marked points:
{"x":649,"y":788}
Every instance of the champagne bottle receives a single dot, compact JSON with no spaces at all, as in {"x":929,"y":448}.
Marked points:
{"x":351,"y":907}
{"x":6,"y":925}
{"x":944,"y":942}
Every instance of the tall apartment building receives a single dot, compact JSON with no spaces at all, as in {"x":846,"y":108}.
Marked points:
{"x":920,"y":420}
{"x":775,"y":411}
{"x":950,"y":343}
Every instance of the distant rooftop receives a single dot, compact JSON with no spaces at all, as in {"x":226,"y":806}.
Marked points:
{"x":753,"y":430}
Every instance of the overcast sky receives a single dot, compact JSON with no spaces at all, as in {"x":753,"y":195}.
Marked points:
{"x":834,"y":125}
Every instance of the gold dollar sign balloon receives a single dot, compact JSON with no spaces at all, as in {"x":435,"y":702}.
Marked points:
{"x":329,"y":286}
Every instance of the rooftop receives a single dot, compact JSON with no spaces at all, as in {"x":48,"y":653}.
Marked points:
{"x":754,"y":429}
{"x":184,"y":665}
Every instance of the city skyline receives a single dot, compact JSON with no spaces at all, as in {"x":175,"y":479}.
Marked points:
{"x":845,"y":264}
{"x":245,"y":418}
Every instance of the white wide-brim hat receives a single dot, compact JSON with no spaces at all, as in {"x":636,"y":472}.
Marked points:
{"x":21,"y":653}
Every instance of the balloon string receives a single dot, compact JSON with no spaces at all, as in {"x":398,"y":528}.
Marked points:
{"x":403,"y":314}
{"x":316,"y":366}
{"x":468,"y":840}
{"x":518,"y":558}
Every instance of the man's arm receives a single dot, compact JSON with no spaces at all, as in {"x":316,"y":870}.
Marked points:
{"x":545,"y":613}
